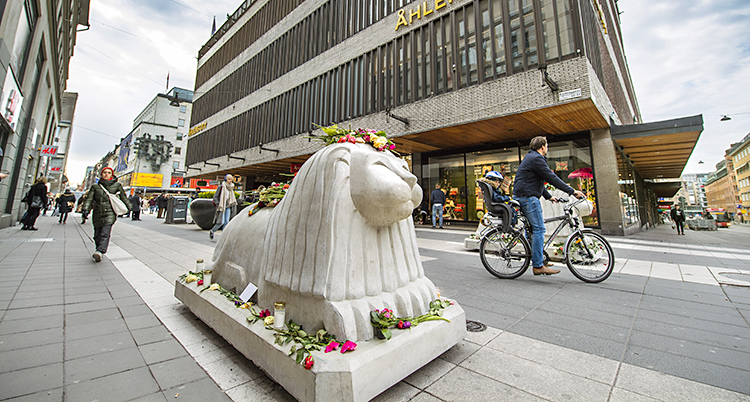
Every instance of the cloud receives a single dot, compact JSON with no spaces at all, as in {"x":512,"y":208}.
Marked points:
{"x":121,"y":64}
{"x":687,"y":58}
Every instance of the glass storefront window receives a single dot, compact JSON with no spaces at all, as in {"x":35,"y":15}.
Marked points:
{"x":504,"y":161}
{"x":628,"y":200}
{"x":450,"y":172}
{"x":457,"y":175}
{"x":571,"y":162}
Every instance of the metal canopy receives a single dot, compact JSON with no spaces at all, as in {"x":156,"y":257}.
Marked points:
{"x":659,"y":150}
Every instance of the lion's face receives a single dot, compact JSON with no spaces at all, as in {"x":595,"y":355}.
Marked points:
{"x":382,"y":188}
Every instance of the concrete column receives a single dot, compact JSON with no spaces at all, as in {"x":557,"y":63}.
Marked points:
{"x":607,"y":189}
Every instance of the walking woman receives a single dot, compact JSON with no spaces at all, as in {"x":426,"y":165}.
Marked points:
{"x":103,"y":216}
{"x":65,"y":204}
{"x":36,"y":199}
{"x":226,"y":204}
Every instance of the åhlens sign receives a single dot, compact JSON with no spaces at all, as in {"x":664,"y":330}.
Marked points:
{"x":422,"y":10}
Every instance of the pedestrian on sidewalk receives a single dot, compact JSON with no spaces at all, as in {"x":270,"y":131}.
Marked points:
{"x":65,"y":204}
{"x":678,"y":217}
{"x":79,"y":207}
{"x":161,"y":203}
{"x":152,"y":205}
{"x":226,"y":204}
{"x":103,"y":215}
{"x":135,"y":201}
{"x":36,"y":199}
{"x":437,"y":200}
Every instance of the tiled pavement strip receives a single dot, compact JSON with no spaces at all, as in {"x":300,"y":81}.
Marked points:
{"x":73,"y":330}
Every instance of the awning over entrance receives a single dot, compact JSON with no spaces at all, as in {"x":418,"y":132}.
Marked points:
{"x":659,"y":150}
{"x":565,"y":118}
{"x":665,"y":189}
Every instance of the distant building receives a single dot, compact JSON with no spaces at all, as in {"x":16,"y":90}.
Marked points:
{"x":693,"y":189}
{"x":152,"y":155}
{"x":36,"y":44}
{"x":739,"y":155}
{"x":720,"y":189}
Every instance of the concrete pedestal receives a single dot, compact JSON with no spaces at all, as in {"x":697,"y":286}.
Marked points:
{"x":360,"y":375}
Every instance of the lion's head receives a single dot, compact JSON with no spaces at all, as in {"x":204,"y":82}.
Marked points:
{"x":382,"y":188}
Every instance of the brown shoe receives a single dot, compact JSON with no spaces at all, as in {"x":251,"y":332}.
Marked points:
{"x":545,"y":270}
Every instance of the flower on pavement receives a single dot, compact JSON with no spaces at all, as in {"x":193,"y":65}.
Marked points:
{"x":191,"y":278}
{"x":214,"y":286}
{"x":348,"y":345}
{"x":268,"y":320}
{"x":309,"y":361}
{"x":332,"y":346}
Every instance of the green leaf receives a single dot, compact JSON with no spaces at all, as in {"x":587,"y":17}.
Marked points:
{"x":387,"y":333}
{"x":292,"y":350}
{"x":300,"y":356}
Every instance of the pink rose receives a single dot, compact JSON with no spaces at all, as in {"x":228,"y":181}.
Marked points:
{"x":348,"y":345}
{"x":332,"y":346}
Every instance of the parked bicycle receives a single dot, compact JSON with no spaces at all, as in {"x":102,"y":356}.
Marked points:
{"x":506,"y":253}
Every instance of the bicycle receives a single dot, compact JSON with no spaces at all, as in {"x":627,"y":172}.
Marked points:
{"x":506,"y":253}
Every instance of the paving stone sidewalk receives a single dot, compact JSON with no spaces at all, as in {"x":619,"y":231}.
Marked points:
{"x":73,"y":330}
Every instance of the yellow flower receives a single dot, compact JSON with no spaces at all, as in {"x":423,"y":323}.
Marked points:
{"x":246,"y":305}
{"x":378,"y":141}
{"x":191,"y":278}
{"x":214,"y":286}
{"x":268,"y":320}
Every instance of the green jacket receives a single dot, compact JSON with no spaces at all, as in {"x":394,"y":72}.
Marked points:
{"x":98,"y":202}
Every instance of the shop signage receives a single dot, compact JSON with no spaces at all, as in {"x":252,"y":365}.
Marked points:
{"x":49,"y":150}
{"x":422,"y":10}
{"x":295,"y":167}
{"x":197,"y":129}
{"x":576,"y":93}
{"x":10,"y":103}
{"x":146,"y":180}
{"x":56,"y":165}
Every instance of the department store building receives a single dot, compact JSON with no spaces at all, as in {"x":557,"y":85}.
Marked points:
{"x":460,"y":86}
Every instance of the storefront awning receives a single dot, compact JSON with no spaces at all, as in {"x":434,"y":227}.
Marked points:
{"x":659,"y":150}
{"x":665,"y":190}
{"x":564,"y":118}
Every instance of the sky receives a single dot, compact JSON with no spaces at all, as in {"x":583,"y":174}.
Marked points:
{"x":686,"y":57}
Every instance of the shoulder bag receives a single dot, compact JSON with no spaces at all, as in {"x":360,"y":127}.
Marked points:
{"x":117,"y":205}
{"x":36,"y":202}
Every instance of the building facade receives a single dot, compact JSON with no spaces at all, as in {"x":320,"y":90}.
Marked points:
{"x":152,"y":155}
{"x":740,"y":157}
{"x":460,"y":86}
{"x":721,"y":189}
{"x":36,"y":43}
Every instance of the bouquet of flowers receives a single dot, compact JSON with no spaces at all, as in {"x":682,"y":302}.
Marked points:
{"x":384,"y":320}
{"x":335,"y":134}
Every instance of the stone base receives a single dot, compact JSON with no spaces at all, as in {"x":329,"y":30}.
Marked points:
{"x":360,"y":375}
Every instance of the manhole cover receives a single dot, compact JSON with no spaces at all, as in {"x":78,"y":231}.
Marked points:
{"x":475,"y":326}
{"x":736,"y":276}
{"x":26,"y":240}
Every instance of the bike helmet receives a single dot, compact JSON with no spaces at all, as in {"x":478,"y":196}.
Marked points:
{"x":494,"y":175}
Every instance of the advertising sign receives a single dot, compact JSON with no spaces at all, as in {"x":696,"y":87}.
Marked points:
{"x":146,"y":180}
{"x":202,"y":183}
{"x":49,"y":150}
{"x":176,"y":181}
{"x":55,"y":165}
{"x":295,"y":167}
{"x":10,"y":103}
{"x":122,"y":161}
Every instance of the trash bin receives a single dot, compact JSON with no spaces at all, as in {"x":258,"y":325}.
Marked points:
{"x":177,"y":210}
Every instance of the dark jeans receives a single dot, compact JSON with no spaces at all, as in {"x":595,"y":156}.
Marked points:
{"x":680,"y":227}
{"x":33,"y":213}
{"x":136,"y":215}
{"x":101,"y":237}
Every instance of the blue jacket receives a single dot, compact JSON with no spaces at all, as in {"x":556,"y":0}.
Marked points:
{"x":437,"y":197}
{"x":532,"y":173}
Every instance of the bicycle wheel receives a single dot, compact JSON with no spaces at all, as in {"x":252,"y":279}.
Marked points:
{"x":505,"y":255}
{"x":589,"y":257}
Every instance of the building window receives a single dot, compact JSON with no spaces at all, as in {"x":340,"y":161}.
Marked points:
{"x":176,"y":165}
{"x":22,"y":43}
{"x":183,"y":108}
{"x":177,"y":151}
{"x":181,"y":122}
{"x":179,"y":136}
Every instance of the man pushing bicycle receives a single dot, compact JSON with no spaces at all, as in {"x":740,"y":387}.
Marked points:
{"x":528,"y":186}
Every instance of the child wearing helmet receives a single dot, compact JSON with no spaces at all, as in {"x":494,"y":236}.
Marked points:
{"x":495,"y":178}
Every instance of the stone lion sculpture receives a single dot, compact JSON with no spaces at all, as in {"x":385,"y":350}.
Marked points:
{"x":340,"y":244}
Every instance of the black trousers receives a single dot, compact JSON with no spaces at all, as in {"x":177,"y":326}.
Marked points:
{"x":31,"y":216}
{"x":101,"y":237}
{"x":63,"y":216}
{"x":136,"y":215}
{"x":680,"y":227}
